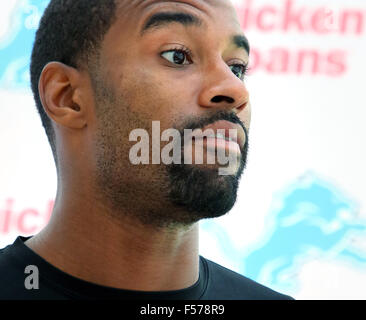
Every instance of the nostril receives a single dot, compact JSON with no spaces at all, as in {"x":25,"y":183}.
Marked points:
{"x":241,"y":107}
{"x":220,"y":98}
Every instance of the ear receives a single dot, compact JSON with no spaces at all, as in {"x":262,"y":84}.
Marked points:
{"x":60,"y":89}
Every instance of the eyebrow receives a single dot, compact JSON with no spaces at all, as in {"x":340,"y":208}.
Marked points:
{"x":163,"y":19}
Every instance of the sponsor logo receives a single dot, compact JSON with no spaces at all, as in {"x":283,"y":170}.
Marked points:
{"x":313,"y":221}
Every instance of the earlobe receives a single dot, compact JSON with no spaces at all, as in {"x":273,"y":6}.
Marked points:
{"x":59,"y":87}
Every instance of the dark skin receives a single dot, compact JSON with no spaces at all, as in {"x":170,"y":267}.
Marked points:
{"x":94,"y":236}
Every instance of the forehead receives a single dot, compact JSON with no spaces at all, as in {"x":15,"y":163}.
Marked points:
{"x":131,"y":14}
{"x":144,"y":6}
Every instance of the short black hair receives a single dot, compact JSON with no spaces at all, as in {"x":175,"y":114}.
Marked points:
{"x":70,"y":32}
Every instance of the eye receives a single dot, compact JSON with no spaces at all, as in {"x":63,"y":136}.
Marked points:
{"x":240,"y":70}
{"x":177,"y":56}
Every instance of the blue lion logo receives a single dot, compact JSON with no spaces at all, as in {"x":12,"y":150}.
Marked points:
{"x":313,"y":221}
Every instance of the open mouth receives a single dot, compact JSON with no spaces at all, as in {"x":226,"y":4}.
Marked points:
{"x":218,"y":141}
{"x":223,"y":133}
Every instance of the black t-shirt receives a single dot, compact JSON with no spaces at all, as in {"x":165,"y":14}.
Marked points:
{"x":215,"y":282}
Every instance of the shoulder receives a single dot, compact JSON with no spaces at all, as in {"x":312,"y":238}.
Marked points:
{"x":224,"y":284}
{"x":11,"y":274}
{"x":17,"y":280}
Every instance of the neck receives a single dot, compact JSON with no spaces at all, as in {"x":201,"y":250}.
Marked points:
{"x":85,"y":240}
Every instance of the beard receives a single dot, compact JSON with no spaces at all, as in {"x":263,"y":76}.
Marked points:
{"x":163,"y":196}
{"x":202,"y":191}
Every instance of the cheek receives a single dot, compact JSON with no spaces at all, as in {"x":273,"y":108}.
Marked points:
{"x":159,"y":94}
{"x":245,"y":115}
{"x":155,"y":99}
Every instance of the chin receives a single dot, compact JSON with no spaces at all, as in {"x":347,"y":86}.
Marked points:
{"x":201,"y":191}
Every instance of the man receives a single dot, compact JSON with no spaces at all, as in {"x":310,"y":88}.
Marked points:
{"x":120,"y":230}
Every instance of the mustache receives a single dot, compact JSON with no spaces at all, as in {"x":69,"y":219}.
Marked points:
{"x":201,"y":122}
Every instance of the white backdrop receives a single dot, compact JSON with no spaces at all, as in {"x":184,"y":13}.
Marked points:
{"x":299,"y":225}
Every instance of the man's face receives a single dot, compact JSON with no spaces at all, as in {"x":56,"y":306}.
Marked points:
{"x":184,"y":75}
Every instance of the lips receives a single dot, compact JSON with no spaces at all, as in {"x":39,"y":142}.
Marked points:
{"x":222,"y":129}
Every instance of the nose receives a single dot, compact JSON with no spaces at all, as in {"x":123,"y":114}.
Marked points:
{"x":222,"y":89}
